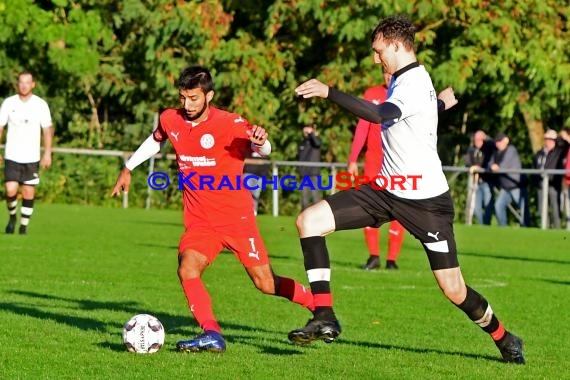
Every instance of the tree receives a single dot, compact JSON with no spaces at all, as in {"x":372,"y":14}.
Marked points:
{"x":511,"y":59}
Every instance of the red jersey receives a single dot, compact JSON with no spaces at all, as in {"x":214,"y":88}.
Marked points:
{"x":370,"y":133}
{"x":210,"y":157}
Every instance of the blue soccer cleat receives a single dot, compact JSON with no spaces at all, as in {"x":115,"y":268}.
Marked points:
{"x":208,"y":341}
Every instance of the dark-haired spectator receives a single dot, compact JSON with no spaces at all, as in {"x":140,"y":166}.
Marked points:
{"x":512,"y":186}
{"x":310,"y":151}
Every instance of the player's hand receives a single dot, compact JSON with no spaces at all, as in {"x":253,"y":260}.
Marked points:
{"x":352,"y":169}
{"x":495,"y":168}
{"x":312,"y":88}
{"x":46,"y":161}
{"x":258,"y":135}
{"x":123,"y":182}
{"x":448,"y":97}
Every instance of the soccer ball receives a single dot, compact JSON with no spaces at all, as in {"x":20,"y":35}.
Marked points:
{"x":143,"y":334}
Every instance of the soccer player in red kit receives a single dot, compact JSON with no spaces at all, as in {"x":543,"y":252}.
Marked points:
{"x":211,"y":146}
{"x":368,"y":134}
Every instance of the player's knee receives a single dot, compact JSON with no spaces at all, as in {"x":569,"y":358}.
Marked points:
{"x":454,"y":291}
{"x":307,"y":222}
{"x":451,"y":283}
{"x":300,"y":222}
{"x":190,"y":265}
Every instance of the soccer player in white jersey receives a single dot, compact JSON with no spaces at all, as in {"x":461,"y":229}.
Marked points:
{"x":26,"y":115}
{"x":409,"y":119}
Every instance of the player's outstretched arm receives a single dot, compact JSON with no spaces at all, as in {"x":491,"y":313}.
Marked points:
{"x":447,"y":96}
{"x":359,"y":107}
{"x":312,"y":88}
{"x":123,"y":182}
{"x":148,"y":148}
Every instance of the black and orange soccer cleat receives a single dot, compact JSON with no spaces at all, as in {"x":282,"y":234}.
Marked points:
{"x":511,"y":348}
{"x":316,"y":329}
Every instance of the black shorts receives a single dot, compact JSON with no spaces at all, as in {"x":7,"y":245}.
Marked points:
{"x":428,"y":220}
{"x":24,"y":174}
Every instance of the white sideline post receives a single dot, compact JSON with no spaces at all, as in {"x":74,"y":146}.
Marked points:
{"x":544,"y":203}
{"x":275,"y":190}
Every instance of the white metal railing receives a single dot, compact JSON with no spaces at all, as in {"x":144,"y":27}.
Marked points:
{"x":334,"y":169}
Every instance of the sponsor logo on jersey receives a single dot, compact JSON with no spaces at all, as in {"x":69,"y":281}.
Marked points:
{"x":198,"y":160}
{"x":207,"y":141}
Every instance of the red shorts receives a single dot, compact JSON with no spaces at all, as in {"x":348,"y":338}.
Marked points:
{"x":248,"y":248}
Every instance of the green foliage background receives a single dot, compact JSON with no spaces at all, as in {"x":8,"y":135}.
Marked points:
{"x":106,"y":67}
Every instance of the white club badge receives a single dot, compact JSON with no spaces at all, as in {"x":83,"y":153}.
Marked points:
{"x":207,"y":141}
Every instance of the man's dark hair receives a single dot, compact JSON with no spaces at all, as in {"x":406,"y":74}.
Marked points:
{"x":396,"y":28}
{"x":196,"y":77}
{"x":25,"y":72}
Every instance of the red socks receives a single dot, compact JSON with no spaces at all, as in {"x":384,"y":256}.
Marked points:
{"x":372,"y":240}
{"x":295,"y":292}
{"x":200,"y":304}
{"x":396,"y":234}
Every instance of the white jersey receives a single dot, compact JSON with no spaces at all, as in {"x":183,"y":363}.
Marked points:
{"x":410,"y":142}
{"x":25,"y":120}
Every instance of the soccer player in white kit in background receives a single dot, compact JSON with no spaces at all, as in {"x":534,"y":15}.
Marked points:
{"x":28,"y":118}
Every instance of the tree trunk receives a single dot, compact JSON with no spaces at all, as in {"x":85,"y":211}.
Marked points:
{"x":535,"y":126}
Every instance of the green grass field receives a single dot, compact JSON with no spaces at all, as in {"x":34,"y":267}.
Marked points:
{"x":67,"y":288}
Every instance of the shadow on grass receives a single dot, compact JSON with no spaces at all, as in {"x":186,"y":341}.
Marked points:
{"x":555,"y":282}
{"x":35,"y":312}
{"x":155,"y":245}
{"x":179,"y":325}
{"x":515,"y":258}
{"x":173,"y":324}
{"x":418,"y":350}
{"x":265,"y":346}
{"x":158,"y":223}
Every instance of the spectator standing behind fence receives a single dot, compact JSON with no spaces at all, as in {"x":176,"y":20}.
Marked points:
{"x":310,"y":151}
{"x":512,"y":186}
{"x":565,"y":135}
{"x":477,"y":157}
{"x":253,"y":173}
{"x":28,"y":118}
{"x":551,"y":156}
